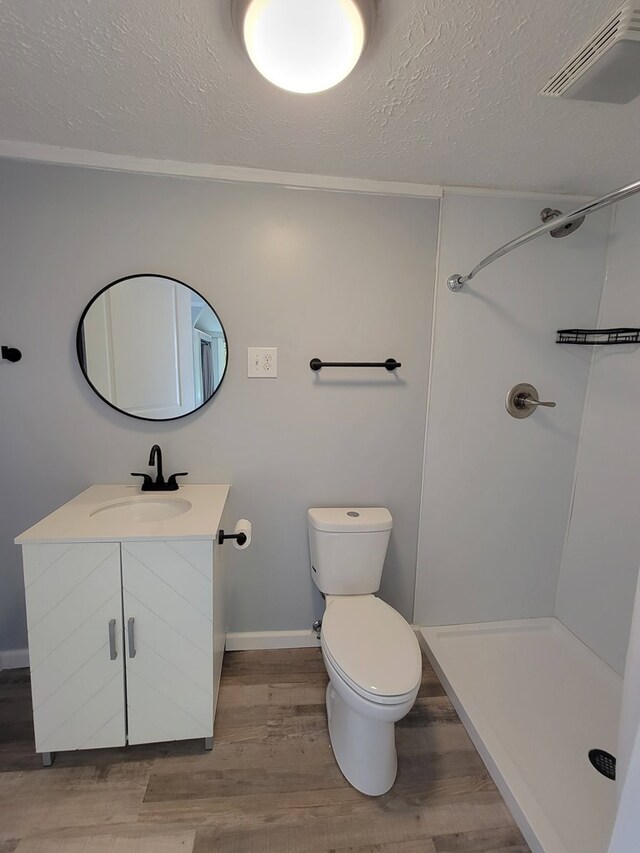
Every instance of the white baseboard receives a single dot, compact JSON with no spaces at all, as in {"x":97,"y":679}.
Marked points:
{"x":271,"y":640}
{"x":236,"y":642}
{"x":14,"y":658}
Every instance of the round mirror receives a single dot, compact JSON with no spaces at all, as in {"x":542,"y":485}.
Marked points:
{"x":152,"y":347}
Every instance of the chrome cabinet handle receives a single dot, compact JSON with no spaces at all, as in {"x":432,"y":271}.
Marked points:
{"x":113,"y":654}
{"x":131,"y":636}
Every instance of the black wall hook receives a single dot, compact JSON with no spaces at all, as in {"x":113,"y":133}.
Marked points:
{"x":11,"y":353}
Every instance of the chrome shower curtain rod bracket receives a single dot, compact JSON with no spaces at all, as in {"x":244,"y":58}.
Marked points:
{"x":456,"y":282}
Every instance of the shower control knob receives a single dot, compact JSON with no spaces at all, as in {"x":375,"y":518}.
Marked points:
{"x":522,"y":400}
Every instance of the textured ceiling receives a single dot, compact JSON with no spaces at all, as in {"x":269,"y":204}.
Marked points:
{"x":445,"y":94}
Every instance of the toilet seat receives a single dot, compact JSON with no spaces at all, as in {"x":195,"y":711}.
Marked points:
{"x":372,"y":648}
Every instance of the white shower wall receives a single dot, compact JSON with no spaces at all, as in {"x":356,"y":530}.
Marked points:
{"x":602,"y":553}
{"x":497,"y":491}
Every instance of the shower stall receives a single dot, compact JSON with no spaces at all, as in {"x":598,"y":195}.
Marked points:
{"x":530,"y":526}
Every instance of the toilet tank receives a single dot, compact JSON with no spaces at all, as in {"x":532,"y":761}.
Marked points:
{"x":348,"y":546}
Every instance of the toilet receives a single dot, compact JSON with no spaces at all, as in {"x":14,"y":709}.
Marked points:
{"x":370,"y":652}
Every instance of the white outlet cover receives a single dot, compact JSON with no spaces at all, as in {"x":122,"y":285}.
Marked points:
{"x":262,"y":362}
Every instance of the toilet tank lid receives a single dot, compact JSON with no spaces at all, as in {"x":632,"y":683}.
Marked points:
{"x":352,"y":519}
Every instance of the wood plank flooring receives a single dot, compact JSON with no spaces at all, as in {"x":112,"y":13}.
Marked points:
{"x":270,"y":785}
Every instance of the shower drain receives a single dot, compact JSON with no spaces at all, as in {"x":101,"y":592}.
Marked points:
{"x":604,"y":762}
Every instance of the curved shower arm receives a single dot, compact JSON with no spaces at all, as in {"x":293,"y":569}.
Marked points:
{"x":457,"y":282}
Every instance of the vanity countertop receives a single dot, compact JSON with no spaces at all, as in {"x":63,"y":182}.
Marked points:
{"x":74,"y":521}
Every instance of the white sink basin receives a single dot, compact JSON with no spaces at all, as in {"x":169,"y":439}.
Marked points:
{"x":141,"y":509}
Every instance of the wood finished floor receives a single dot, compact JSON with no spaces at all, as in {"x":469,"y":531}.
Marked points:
{"x":270,"y":785}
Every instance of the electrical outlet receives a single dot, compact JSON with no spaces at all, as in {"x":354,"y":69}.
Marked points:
{"x":262,"y":362}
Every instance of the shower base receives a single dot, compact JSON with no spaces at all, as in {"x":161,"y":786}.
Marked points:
{"x":535,"y":700}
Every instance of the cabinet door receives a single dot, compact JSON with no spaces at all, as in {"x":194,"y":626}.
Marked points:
{"x":168,"y":612}
{"x":74,"y":618}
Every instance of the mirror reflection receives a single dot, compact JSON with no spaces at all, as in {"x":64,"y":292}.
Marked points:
{"x":152,"y":347}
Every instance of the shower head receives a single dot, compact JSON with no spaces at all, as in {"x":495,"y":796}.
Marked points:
{"x":564,"y":230}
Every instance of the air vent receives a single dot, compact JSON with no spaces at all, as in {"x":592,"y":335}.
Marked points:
{"x":607,"y":67}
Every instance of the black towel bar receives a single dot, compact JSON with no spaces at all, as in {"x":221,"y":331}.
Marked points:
{"x":390,"y":364}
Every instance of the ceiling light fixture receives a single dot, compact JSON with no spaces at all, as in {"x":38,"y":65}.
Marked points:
{"x":304,"y":45}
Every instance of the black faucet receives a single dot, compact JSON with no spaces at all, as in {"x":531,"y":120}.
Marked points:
{"x":155,"y":458}
{"x":148,"y":485}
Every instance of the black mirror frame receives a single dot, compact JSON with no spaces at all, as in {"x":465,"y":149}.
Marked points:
{"x":80,"y":348}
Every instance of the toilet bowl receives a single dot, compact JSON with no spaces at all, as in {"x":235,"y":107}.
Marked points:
{"x":370,"y":652}
{"x":373,"y":661}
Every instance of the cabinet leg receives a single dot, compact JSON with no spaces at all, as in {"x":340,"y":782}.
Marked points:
{"x":47,"y":759}
{"x":208,"y":743}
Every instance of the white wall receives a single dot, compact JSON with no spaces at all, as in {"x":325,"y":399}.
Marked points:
{"x":497,"y":490}
{"x":602,"y":553}
{"x":334,"y":275}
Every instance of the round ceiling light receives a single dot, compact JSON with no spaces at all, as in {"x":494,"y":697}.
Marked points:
{"x":304,"y":45}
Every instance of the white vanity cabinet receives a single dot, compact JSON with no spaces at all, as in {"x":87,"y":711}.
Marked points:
{"x":126,"y":638}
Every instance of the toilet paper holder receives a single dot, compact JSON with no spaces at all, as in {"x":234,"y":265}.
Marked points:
{"x":240,"y":537}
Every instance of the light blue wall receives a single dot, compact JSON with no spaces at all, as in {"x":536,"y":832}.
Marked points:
{"x":334,"y":275}
{"x":497,"y":490}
